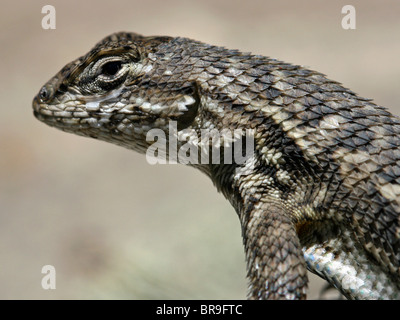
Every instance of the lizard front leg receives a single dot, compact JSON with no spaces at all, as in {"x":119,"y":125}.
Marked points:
{"x":275,"y":265}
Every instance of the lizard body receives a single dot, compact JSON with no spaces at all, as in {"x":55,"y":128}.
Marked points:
{"x":321,"y":189}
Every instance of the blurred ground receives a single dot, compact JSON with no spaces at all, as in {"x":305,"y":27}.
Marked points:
{"x":111,"y":224}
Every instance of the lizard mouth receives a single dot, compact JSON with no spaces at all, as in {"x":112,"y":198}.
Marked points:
{"x":63,"y":123}
{"x":36,"y":105}
{"x":62,"y":120}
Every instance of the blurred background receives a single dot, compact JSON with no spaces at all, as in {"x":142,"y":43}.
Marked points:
{"x":112,"y":225}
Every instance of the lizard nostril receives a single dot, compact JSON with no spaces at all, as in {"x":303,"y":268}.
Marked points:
{"x":44,"y":94}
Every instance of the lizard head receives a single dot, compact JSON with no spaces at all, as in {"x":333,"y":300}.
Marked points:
{"x":118,"y":92}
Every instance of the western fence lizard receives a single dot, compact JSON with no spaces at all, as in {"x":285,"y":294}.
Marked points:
{"x":321,"y":187}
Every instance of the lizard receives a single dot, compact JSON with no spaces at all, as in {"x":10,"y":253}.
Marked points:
{"x":320,"y":191}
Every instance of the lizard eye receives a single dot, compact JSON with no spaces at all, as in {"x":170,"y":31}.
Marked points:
{"x":111,"y":68}
{"x":110,"y":74}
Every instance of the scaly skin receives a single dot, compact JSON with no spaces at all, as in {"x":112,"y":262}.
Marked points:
{"x":321,"y":190}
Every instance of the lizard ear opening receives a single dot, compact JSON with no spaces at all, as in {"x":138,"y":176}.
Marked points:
{"x":188,"y":116}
